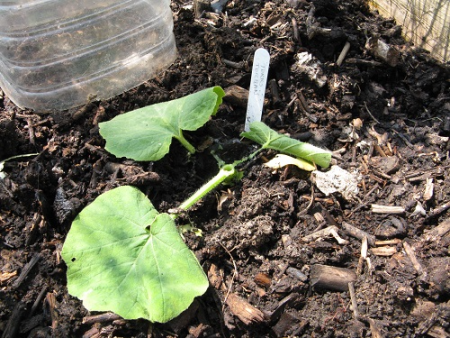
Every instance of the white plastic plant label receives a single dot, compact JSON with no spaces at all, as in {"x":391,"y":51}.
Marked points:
{"x":258,"y":83}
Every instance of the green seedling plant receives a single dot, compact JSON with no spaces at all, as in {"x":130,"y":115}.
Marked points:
{"x":270,"y":139}
{"x":124,"y":256}
{"x":145,"y":134}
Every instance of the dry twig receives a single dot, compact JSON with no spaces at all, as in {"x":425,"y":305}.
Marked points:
{"x":384,"y":251}
{"x":100,"y":318}
{"x":351,"y":289}
{"x":387,"y":209}
{"x":234,"y":274}
{"x":330,"y":231}
{"x":25,"y":271}
{"x":242,"y":309}
{"x":343,"y":54}
{"x":358,"y":233}
{"x":412,"y":256}
{"x":331,"y":277}
{"x":438,"y":231}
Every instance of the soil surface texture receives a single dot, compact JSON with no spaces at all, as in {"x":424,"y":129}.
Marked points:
{"x":284,"y":256}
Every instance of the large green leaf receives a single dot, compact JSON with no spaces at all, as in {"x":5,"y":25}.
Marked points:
{"x":145,"y":134}
{"x":123,"y":256}
{"x":270,"y":139}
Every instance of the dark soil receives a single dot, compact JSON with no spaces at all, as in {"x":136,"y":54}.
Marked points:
{"x":387,"y":121}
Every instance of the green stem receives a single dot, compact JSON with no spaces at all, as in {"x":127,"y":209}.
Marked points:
{"x":225,"y":172}
{"x":185,"y":143}
{"x":248,"y":158}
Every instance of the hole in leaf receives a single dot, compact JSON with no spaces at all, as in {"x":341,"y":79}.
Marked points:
{"x":73,"y":259}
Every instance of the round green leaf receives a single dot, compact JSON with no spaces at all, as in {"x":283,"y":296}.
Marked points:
{"x":123,"y":256}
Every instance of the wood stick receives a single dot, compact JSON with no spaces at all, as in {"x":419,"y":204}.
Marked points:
{"x":303,"y":102}
{"x":38,"y":300}
{"x":370,"y":113}
{"x":412,"y":256}
{"x":101,"y":318}
{"x":439,"y":231}
{"x":331,"y":278}
{"x":31,"y":132}
{"x":439,"y":210}
{"x":232,"y":64}
{"x":429,"y":189}
{"x":295,"y":30}
{"x":343,"y":54}
{"x":384,"y":251}
{"x":12,"y":327}
{"x":387,"y":209}
{"x":364,"y":204}
{"x":273,"y":87}
{"x":281,"y":306}
{"x":351,"y":290}
{"x":312,"y":27}
{"x":363,"y":257}
{"x":364,"y":62}
{"x":51,"y":301}
{"x":242,"y":309}
{"x":358,"y":233}
{"x":393,"y":241}
{"x":330,"y":231}
{"x":25,"y":271}
{"x":380,"y":173}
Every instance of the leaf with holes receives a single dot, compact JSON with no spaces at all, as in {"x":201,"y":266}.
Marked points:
{"x":124,"y":256}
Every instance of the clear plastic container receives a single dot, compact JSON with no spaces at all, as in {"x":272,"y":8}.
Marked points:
{"x":58,"y":54}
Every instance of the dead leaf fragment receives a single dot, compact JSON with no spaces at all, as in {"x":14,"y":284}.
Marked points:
{"x":215,"y":276}
{"x":337,"y":180}
{"x":281,"y":160}
{"x":387,"y":165}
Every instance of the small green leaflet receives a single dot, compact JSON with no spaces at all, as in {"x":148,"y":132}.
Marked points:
{"x":270,"y":139}
{"x":145,"y":134}
{"x":125,"y":257}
